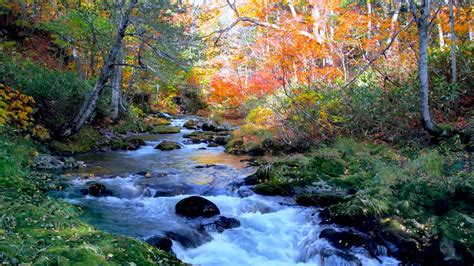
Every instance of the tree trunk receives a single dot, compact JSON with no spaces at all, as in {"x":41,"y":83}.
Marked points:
{"x":106,"y":71}
{"x":77,"y":60}
{"x":423,"y":25}
{"x":117,"y":89}
{"x":453,"y":43}
{"x":369,"y":16}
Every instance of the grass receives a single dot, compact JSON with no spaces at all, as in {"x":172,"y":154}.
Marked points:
{"x":430,"y":189}
{"x":43,"y":231}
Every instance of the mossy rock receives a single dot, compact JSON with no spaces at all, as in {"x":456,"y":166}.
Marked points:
{"x":274,"y":189}
{"x":126,"y":144}
{"x":156,"y":121}
{"x":165,"y":130}
{"x":86,"y":140}
{"x":323,"y":200}
{"x":191,"y":124}
{"x":333,"y":167}
{"x":168,"y":146}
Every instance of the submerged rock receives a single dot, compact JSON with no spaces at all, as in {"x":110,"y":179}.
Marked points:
{"x":220,"y":224}
{"x":189,"y":238}
{"x":337,"y":257}
{"x":168,"y":146}
{"x":205,"y":166}
{"x":97,"y":190}
{"x":348,"y":239}
{"x":196,"y":206}
{"x":160,"y":242}
{"x":212,"y":145}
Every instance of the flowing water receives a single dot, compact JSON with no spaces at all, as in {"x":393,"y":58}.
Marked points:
{"x":273,"y":230}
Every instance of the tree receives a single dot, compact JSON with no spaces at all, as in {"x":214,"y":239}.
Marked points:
{"x":106,"y":72}
{"x":423,"y":22}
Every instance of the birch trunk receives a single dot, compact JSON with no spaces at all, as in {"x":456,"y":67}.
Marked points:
{"x":117,"y":89}
{"x":106,"y":71}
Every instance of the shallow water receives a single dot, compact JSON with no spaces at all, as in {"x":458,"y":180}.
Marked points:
{"x":273,"y":231}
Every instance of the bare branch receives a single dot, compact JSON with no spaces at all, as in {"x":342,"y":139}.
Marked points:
{"x":371,"y":61}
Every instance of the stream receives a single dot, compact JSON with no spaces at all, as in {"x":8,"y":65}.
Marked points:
{"x":272,"y":231}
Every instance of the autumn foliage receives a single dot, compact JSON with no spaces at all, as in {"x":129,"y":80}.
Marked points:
{"x":16,"y":109}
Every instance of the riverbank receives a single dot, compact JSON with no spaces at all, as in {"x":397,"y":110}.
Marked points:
{"x":40,"y":230}
{"x":415,"y":202}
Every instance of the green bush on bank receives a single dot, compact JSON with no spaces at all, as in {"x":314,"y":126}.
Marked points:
{"x":433,"y":188}
{"x":39,"y":230}
{"x":58,"y":94}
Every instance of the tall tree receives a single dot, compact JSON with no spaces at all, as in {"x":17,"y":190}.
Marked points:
{"x":106,"y":72}
{"x":116,"y":101}
{"x":423,"y":22}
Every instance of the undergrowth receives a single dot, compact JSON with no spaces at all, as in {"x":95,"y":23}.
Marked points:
{"x":37,"y":229}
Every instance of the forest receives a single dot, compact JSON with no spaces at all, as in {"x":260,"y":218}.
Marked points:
{"x":236,"y":132}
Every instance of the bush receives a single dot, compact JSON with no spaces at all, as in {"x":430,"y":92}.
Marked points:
{"x":58,"y":94}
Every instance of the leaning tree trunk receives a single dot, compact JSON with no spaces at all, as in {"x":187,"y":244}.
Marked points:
{"x":106,"y":72}
{"x":423,"y":25}
{"x":117,"y":89}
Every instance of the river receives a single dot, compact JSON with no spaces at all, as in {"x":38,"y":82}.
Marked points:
{"x":273,"y":230}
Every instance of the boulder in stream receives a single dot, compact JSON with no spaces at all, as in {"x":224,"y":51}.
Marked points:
{"x":97,"y":190}
{"x":160,"y":242}
{"x":196,"y":206}
{"x":191,"y":124}
{"x":220,"y":224}
{"x":165,"y":130}
{"x":189,"y":238}
{"x":168,"y":146}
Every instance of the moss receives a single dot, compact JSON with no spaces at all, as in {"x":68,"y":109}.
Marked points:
{"x":86,"y":140}
{"x":126,"y":144}
{"x":39,"y":230}
{"x":168,"y":146}
{"x":274,"y":189}
{"x":165,"y":130}
{"x":322,"y":200}
{"x":332,"y":167}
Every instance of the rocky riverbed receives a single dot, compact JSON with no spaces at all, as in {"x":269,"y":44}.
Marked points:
{"x":194,"y":202}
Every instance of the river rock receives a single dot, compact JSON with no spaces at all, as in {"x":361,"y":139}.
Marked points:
{"x":50,"y":162}
{"x":160,"y":242}
{"x":337,"y":257}
{"x":191,"y":124}
{"x":220,"y":224}
{"x":212,"y":145}
{"x":97,"y":190}
{"x":348,"y":239}
{"x":208,"y":126}
{"x":204,"y":166}
{"x":165,"y":130}
{"x":189,"y":238}
{"x":126,"y":144}
{"x":196,"y":206}
{"x":168,"y":146}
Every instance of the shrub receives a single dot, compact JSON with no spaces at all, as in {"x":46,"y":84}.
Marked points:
{"x":58,"y":94}
{"x":15,"y":108}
